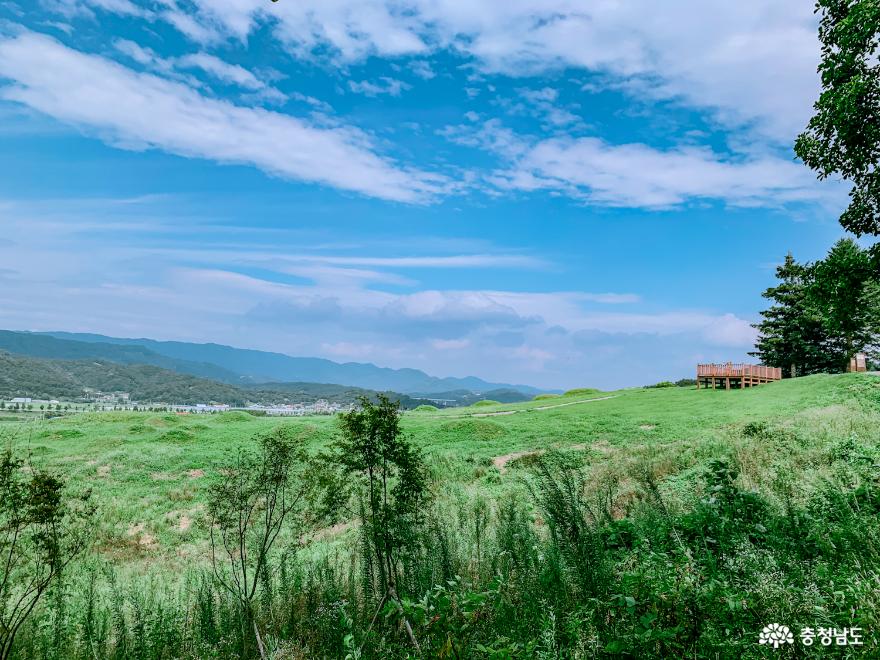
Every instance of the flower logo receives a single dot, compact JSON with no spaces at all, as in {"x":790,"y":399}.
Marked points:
{"x":776,"y":635}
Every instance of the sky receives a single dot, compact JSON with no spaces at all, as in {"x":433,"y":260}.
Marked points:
{"x":552,"y":192}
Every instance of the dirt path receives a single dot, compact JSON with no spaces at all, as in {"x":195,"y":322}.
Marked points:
{"x":574,"y":403}
{"x":494,"y":414}
{"x":556,"y":405}
{"x":501,"y":461}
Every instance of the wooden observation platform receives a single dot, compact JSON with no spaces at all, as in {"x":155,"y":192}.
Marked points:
{"x":737,"y":376}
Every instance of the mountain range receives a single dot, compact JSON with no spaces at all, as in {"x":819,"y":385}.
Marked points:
{"x":239,"y":366}
{"x":69,"y":380}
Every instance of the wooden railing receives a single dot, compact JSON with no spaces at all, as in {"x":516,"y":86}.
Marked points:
{"x":738,"y":370}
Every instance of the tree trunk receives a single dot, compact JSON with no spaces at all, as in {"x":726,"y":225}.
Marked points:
{"x":259,"y":641}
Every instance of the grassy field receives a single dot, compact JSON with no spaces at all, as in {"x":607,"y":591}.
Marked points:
{"x":789,"y":443}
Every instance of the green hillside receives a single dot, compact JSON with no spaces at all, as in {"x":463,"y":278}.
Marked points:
{"x":703,"y":516}
{"x":67,"y":380}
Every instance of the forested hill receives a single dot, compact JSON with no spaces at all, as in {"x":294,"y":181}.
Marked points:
{"x":44,"y":346}
{"x":66,"y":379}
{"x":262,"y":366}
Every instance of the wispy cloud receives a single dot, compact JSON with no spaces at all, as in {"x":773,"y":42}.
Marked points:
{"x":384,"y":85}
{"x":138,"y":110}
{"x":77,"y":276}
{"x":766,"y":51}
{"x":637,"y":175}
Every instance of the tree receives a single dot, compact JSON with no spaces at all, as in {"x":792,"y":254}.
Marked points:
{"x":386,"y":475}
{"x":844,"y":291}
{"x":871,"y":304}
{"x":843,"y":137}
{"x":42,"y":529}
{"x":248,"y":508}
{"x":792,"y":335}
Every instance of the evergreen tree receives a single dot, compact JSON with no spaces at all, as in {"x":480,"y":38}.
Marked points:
{"x":792,"y":335}
{"x":844,"y":289}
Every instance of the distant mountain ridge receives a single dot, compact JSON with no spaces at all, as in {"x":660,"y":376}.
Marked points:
{"x":237,"y":365}
{"x":47,"y":378}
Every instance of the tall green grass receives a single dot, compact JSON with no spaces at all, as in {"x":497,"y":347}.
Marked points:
{"x":679,"y":545}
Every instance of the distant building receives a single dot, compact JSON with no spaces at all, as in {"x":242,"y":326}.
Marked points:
{"x":22,"y":399}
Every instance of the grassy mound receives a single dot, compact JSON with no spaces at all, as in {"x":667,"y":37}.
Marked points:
{"x":486,"y":402}
{"x":233,"y":417}
{"x":177,"y":435}
{"x":544,"y":397}
{"x":426,"y":408}
{"x":582,"y":391}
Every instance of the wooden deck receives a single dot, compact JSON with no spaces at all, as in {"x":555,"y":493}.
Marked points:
{"x":732,"y":375}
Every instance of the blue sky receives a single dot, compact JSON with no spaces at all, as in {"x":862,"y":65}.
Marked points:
{"x":548,"y":192}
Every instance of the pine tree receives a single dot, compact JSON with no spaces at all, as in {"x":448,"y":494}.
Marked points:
{"x":844,"y":290}
{"x":792,"y":335}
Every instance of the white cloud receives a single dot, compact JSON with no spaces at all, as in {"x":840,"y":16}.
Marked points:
{"x":385,"y":85}
{"x":229,"y":73}
{"x":87,"y":7}
{"x":636,"y":175}
{"x":749,"y":62}
{"x":422,"y":69}
{"x":225,"y":72}
{"x":640,"y":176}
{"x":138,"y":110}
{"x":454,"y":261}
{"x":95,"y":274}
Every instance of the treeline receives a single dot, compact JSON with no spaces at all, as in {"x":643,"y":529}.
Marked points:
{"x":823,"y":313}
{"x":67,"y":379}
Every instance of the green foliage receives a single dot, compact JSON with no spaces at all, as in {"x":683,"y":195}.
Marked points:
{"x":544,"y":397}
{"x":792,"y":335}
{"x":823,"y":313}
{"x":426,"y":408}
{"x":250,"y":503}
{"x":664,"y":383}
{"x":844,"y":291}
{"x":843,"y":137}
{"x":486,"y":402}
{"x":42,"y":529}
